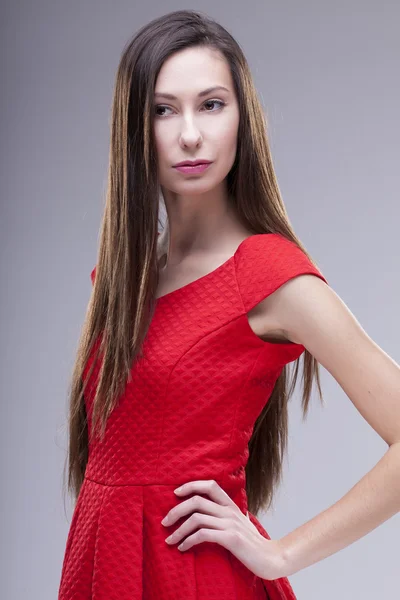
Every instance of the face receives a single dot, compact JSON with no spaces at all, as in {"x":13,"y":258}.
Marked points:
{"x":193,"y":125}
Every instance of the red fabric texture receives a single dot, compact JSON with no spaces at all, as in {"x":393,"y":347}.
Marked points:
{"x":186,"y":414}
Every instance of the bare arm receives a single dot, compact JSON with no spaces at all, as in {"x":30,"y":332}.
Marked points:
{"x":311,"y":313}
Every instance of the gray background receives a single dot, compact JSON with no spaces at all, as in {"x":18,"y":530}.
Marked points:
{"x":326,"y":73}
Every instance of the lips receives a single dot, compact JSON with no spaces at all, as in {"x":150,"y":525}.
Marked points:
{"x":192,"y":163}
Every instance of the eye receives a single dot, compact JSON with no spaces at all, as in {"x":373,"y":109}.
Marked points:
{"x":163,"y":106}
{"x":214,"y":102}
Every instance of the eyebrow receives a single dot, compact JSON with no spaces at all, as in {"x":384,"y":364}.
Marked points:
{"x":199,"y":95}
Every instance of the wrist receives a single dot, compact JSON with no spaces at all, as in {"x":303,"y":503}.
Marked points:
{"x":278,"y":563}
{"x":283,"y":559}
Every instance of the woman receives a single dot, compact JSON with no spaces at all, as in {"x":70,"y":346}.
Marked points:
{"x":183,"y":362}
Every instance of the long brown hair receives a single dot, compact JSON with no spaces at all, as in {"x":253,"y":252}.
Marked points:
{"x":123,"y":295}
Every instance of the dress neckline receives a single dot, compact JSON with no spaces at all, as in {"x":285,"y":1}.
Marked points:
{"x":207,"y":275}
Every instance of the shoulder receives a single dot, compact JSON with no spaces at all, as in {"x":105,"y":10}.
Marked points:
{"x":264,"y":262}
{"x":272,"y":247}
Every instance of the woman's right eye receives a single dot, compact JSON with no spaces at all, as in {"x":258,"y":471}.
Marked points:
{"x":160,"y":107}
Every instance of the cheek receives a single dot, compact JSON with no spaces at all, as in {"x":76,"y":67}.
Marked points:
{"x":225,"y":145}
{"x":225,"y":135}
{"x":161,"y":140}
{"x":164,"y":135}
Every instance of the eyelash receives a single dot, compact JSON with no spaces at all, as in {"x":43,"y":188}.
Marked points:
{"x":214,"y":101}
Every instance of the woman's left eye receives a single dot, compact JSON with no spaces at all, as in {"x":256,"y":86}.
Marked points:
{"x":214,"y":102}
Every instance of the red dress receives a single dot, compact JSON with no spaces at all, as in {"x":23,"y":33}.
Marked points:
{"x":187,"y":414}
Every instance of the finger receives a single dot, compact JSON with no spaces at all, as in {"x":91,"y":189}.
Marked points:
{"x":223,"y":537}
{"x":194,"y":504}
{"x":206,"y":486}
{"x":194,"y":522}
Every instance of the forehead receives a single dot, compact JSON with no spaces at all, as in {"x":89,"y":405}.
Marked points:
{"x":192,"y":70}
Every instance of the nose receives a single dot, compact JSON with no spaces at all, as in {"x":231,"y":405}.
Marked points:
{"x":190,"y":133}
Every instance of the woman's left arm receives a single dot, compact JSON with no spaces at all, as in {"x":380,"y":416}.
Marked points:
{"x":309,"y":312}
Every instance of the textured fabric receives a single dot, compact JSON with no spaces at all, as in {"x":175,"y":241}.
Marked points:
{"x":187,"y":413}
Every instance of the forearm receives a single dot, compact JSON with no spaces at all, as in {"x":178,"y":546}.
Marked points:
{"x":373,"y":500}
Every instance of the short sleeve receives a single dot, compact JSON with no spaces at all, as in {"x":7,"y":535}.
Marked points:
{"x":265,"y":262}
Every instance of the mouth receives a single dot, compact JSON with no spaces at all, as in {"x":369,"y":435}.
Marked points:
{"x":193,"y":163}
{"x":196,"y":169}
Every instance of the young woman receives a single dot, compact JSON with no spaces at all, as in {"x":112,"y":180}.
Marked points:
{"x":181,"y":377}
